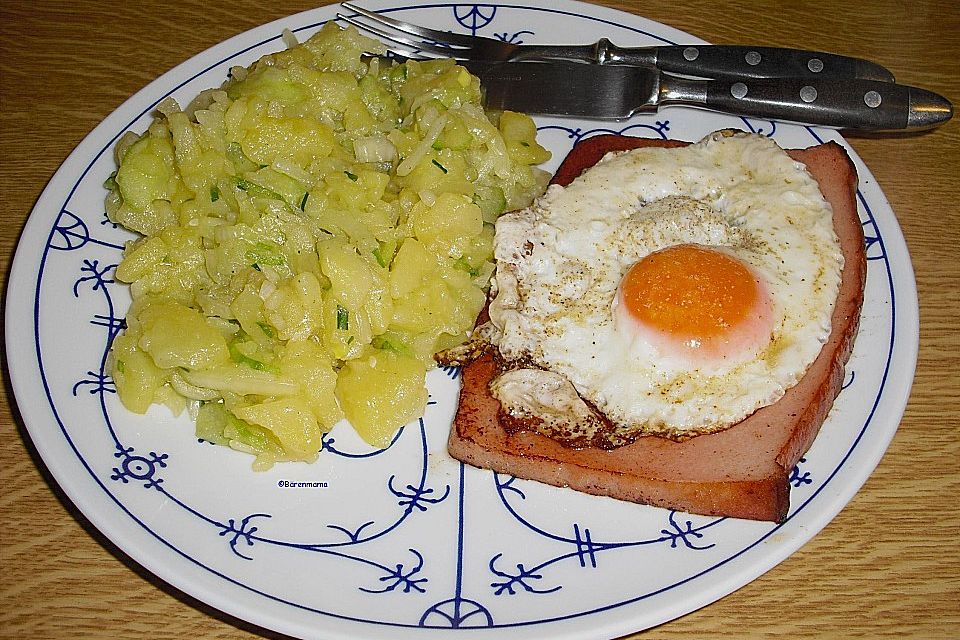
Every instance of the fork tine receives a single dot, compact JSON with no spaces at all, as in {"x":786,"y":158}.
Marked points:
{"x":444,"y":37}
{"x":417,"y":46}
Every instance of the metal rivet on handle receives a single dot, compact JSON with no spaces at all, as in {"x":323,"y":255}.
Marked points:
{"x":753,"y":58}
{"x":691,"y":53}
{"x":872,"y":99}
{"x":808,"y":94}
{"x":738,"y":90}
{"x":815,"y":65}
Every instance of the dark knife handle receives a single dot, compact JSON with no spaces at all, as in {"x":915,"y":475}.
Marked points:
{"x":725,"y":61}
{"x":843,"y":104}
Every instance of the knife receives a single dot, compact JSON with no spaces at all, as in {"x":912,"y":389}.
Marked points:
{"x":616,"y":92}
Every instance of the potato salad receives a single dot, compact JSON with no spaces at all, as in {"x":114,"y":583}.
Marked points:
{"x":310,"y":234}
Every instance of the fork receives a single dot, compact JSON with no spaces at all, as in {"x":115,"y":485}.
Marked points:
{"x":703,"y":61}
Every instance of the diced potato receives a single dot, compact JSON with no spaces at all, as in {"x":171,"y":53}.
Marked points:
{"x":203,"y":172}
{"x":441,"y":308}
{"x":291,"y":421}
{"x":185,"y":141}
{"x":141,"y":259}
{"x":431,"y":296}
{"x":357,"y":306}
{"x":337,"y":90}
{"x":178,"y":336}
{"x":216,"y":424}
{"x":295,"y":308}
{"x":381,"y":393}
{"x":135,"y":374}
{"x":247,"y":308}
{"x":300,"y":139}
{"x":310,"y":366}
{"x":412,"y":267}
{"x":341,"y":50}
{"x":441,"y":172}
{"x":353,"y":278}
{"x":357,"y":118}
{"x":176,"y":272}
{"x":449,"y":225}
{"x":520,"y":133}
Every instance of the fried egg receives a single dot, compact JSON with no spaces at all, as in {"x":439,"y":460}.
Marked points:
{"x":664,"y":291}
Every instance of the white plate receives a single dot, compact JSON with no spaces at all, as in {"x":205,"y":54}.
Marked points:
{"x":407,"y":542}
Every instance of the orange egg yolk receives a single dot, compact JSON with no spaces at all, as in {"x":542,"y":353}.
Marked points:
{"x":693,"y":295}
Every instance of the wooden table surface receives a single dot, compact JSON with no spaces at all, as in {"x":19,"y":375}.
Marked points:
{"x":887,"y":566}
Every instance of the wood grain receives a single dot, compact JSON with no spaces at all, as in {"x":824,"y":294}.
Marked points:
{"x":887,"y":566}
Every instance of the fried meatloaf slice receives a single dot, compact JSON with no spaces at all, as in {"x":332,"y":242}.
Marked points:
{"x":740,"y":472}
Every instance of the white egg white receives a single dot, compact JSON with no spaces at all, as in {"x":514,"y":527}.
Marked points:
{"x":560,"y":263}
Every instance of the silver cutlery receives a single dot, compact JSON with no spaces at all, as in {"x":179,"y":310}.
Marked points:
{"x":617,"y":92}
{"x":704,"y":61}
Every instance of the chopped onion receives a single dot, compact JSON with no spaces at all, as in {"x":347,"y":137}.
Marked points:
{"x":168,"y":106}
{"x":289,"y":38}
{"x":374,"y":149}
{"x":191,"y":391}
{"x":423,"y":147}
{"x":295,"y":171}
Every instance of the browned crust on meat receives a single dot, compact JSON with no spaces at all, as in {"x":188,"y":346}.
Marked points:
{"x":739,"y":472}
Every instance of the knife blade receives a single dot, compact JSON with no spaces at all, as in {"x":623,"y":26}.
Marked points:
{"x":616,"y":92}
